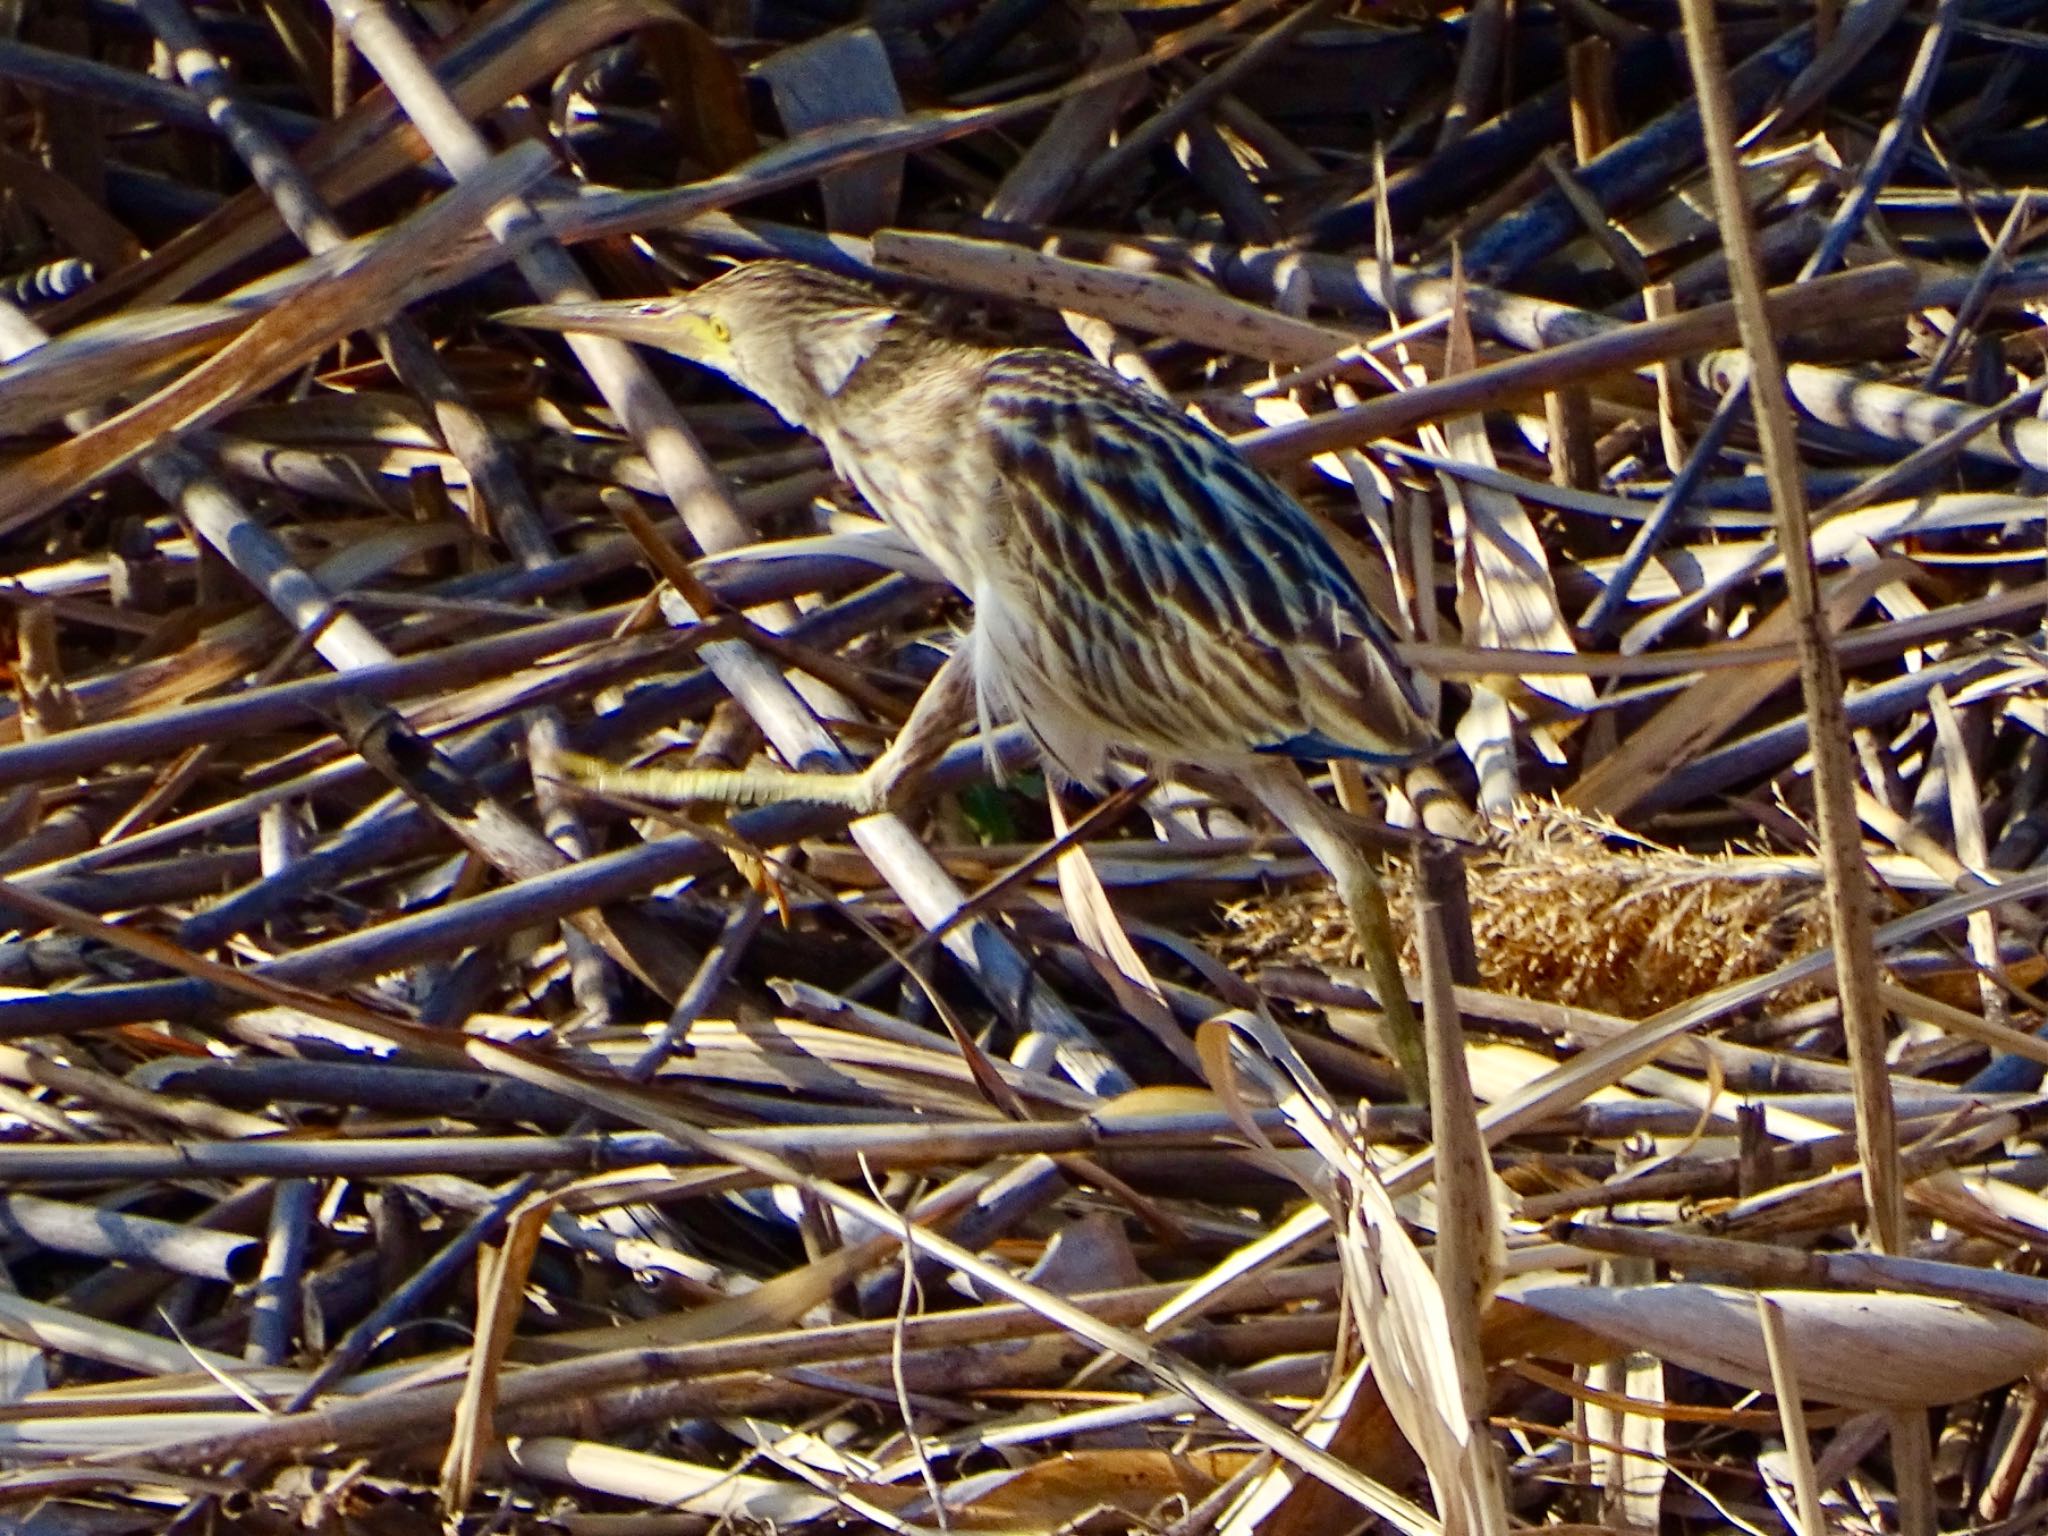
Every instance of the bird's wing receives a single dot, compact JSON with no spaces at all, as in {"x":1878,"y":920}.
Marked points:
{"x":1157,"y":524}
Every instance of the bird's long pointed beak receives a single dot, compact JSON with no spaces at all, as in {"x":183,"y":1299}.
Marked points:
{"x":665,"y":323}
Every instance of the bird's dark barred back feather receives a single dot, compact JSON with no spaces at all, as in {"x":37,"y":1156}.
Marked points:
{"x":1189,"y":594}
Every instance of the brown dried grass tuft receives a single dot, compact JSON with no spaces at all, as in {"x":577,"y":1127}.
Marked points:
{"x":1571,"y":908}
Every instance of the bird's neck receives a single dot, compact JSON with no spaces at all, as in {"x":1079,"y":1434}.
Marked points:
{"x":903,"y":432}
{"x":911,"y":368}
{"x":914,"y":383}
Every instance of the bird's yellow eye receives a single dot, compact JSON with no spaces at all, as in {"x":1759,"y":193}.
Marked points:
{"x":720,"y":331}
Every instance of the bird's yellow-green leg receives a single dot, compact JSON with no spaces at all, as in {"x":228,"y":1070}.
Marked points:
{"x":726,"y":786}
{"x":945,"y":704}
{"x":1280,"y":788}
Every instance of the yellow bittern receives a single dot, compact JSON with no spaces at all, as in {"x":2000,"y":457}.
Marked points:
{"x":1136,"y":584}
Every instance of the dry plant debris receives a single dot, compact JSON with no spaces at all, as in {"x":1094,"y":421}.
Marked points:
{"x":1570,"y":909}
{"x":393,"y":1138}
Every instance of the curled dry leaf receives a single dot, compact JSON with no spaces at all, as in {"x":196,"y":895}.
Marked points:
{"x":1854,"y":1349}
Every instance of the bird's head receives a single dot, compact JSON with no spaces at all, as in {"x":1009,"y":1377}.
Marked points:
{"x":791,"y":334}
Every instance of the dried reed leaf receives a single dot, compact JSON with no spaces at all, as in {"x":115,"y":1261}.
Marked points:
{"x":1860,"y":1350}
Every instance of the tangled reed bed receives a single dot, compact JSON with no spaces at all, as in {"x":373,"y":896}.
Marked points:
{"x":390,"y":1135}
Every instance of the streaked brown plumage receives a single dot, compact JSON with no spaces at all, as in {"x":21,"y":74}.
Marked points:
{"x":1136,"y":584}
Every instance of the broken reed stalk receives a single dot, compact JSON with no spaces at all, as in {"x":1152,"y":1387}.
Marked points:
{"x":1841,"y":842}
{"x":1470,"y":1246}
{"x":1820,"y":671}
